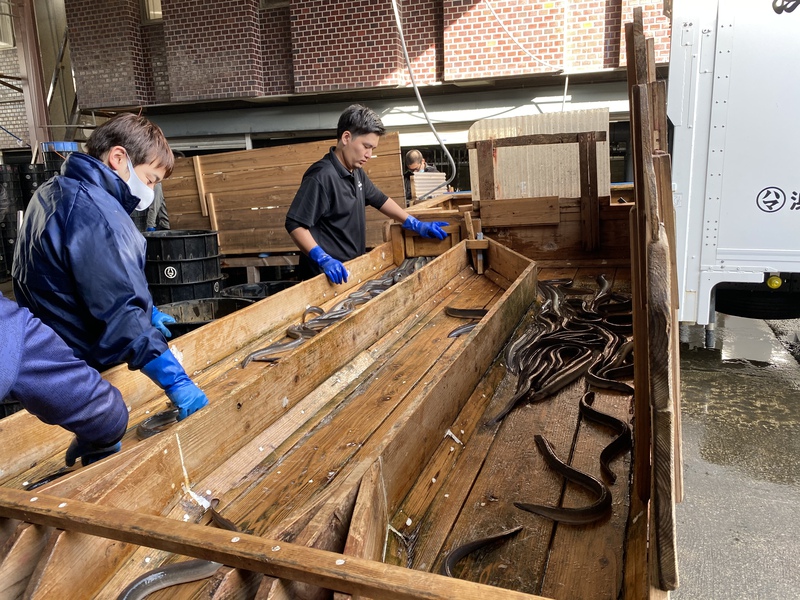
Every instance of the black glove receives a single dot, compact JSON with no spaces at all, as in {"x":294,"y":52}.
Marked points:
{"x":89,"y":452}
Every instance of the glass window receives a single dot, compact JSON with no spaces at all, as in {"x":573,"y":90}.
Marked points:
{"x":6,"y":27}
{"x":152,"y":10}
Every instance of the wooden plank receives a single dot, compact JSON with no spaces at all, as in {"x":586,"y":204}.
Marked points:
{"x":657,"y":93}
{"x":367,"y":535}
{"x":487,"y":186}
{"x":212,"y":211}
{"x":201,"y":188}
{"x":590,"y":209}
{"x":243,"y":551}
{"x":661,"y":399}
{"x":601,"y":544}
{"x":537,"y":139}
{"x":667,"y":214}
{"x":19,"y":557}
{"x":520,"y":212}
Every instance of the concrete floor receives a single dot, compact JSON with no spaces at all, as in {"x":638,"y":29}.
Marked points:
{"x":738,"y":529}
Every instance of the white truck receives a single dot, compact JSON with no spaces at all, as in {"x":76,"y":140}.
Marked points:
{"x":733,"y":87}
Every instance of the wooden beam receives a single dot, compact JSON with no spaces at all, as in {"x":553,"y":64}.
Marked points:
{"x":486,"y":169}
{"x":590,"y":204}
{"x":537,"y":139}
{"x":509,"y":212}
{"x":243,"y":551}
{"x":201,"y":186}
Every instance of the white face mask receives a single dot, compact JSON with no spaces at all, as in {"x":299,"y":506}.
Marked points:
{"x":139,"y":188}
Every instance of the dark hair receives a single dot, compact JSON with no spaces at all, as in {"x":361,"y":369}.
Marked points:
{"x":359,"y":120}
{"x":143,"y":140}
{"x":413,"y":156}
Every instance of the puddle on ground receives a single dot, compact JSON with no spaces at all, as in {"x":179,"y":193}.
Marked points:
{"x":744,"y":394}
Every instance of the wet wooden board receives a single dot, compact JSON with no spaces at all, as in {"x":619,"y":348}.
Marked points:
{"x":469,"y":497}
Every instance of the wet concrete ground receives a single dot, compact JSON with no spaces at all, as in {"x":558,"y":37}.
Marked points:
{"x":738,"y":526}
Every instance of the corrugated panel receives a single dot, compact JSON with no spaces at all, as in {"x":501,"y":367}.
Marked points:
{"x":547,"y":170}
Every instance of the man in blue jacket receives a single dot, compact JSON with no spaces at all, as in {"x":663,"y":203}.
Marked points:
{"x":39,"y":371}
{"x":79,"y":260}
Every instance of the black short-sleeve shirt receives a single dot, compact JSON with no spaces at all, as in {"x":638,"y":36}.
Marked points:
{"x":331,"y":204}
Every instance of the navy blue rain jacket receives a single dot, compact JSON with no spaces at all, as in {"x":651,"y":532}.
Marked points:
{"x":39,"y":371}
{"x":79,"y":266}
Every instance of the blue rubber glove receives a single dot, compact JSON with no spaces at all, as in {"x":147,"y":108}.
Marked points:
{"x":168,"y":373}
{"x":333,"y":268}
{"x":89,"y":452}
{"x":160,"y":320}
{"x":150,"y":229}
{"x":428,"y":230}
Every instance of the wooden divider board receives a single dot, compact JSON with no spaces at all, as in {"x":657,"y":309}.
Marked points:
{"x":251,"y":191}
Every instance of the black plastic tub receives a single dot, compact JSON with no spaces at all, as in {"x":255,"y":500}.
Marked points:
{"x":181,"y":244}
{"x":193,"y":270}
{"x":256,"y":291}
{"x":166,"y":293}
{"x":196,"y":313}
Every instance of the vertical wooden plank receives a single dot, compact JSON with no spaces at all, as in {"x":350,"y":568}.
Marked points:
{"x":398,"y":243}
{"x":368,"y":525}
{"x":486,"y":170}
{"x":590,"y":204}
{"x":201,"y":186}
{"x":650,"y":47}
{"x":212,"y":211}
{"x":657,"y":91}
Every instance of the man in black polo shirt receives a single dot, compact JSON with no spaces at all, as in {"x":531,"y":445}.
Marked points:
{"x":327,"y":218}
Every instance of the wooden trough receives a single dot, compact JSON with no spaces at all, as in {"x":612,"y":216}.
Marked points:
{"x":355,"y":463}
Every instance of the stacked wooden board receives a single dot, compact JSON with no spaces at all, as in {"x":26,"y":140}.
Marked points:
{"x":245,"y":195}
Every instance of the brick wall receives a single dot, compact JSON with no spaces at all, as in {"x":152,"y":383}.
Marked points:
{"x":156,"y":59}
{"x":344,"y":45}
{"x":213,"y":49}
{"x":12,"y":104}
{"x":276,"y":50}
{"x":218,"y":49}
{"x":107,"y":54}
{"x":476,"y":45}
{"x":423,"y":30}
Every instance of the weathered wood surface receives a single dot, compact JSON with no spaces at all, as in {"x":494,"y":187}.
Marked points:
{"x":244,"y":551}
{"x":459,"y":495}
{"x":247,"y":193}
{"x":407,"y":377}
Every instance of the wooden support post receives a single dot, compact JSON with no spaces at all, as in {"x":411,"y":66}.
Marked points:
{"x":590,"y":204}
{"x":486,"y":170}
{"x":212,"y":211}
{"x":201,"y":186}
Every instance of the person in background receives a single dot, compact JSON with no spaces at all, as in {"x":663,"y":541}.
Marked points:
{"x":415,"y":163}
{"x":40,"y":372}
{"x":327,"y":218}
{"x":155,"y":217}
{"x":79,"y":260}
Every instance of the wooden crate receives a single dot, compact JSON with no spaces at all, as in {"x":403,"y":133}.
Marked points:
{"x":245,"y":195}
{"x":541,"y":186}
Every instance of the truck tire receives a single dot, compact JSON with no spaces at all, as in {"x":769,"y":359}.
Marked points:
{"x":758,"y":304}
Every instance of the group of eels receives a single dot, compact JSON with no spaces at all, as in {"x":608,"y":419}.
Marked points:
{"x":309,"y":327}
{"x":570,"y":337}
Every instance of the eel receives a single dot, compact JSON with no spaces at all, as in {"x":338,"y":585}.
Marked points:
{"x":622,"y":443}
{"x":465,"y":313}
{"x":456,"y":554}
{"x":178,"y":573}
{"x":461,"y":330}
{"x":157,"y":423}
{"x":48,"y":478}
{"x":573,"y":516}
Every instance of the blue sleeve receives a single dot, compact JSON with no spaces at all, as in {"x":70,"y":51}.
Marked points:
{"x":107,"y":263}
{"x":40,"y":371}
